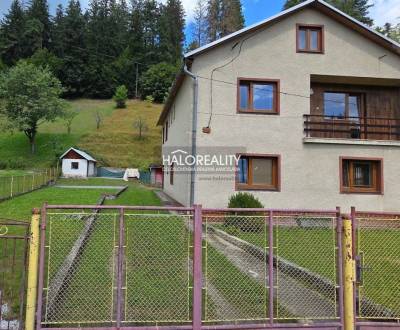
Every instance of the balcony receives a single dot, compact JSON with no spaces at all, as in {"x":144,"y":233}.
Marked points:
{"x":352,"y":128}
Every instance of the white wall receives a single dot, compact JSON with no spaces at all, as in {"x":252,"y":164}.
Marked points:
{"x":179,"y":136}
{"x":310,"y":172}
{"x":67,"y":171}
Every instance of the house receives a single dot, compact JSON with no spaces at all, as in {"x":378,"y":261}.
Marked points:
{"x":310,"y":98}
{"x":78,"y":164}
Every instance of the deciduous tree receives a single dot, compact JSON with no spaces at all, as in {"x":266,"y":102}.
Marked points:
{"x":31,"y":96}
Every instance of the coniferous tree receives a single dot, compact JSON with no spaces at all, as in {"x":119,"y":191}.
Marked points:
{"x":37,"y":26}
{"x":224,"y":17}
{"x":12,"y":34}
{"x":200,"y":25}
{"x":359,"y":9}
{"x":172,"y":34}
{"x":73,"y":50}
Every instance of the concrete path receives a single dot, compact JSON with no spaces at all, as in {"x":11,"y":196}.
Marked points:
{"x":293,"y":295}
{"x":89,"y":187}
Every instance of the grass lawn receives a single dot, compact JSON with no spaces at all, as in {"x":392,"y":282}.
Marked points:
{"x":381,"y":257}
{"x":20,"y":208}
{"x":115,"y":143}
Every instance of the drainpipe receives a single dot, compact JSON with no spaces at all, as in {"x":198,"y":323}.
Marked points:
{"x":194,"y":129}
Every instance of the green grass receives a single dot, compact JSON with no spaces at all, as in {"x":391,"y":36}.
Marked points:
{"x":20,"y":208}
{"x":247,"y":297}
{"x":114,"y":144}
{"x":381,"y":250}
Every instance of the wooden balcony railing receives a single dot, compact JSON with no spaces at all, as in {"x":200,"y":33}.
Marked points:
{"x":361,"y":128}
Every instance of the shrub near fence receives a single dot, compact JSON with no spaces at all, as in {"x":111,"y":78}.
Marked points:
{"x":12,"y":186}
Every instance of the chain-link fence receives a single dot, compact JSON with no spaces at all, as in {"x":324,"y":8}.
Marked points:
{"x":12,"y":186}
{"x":378,"y":266}
{"x":14,"y":238}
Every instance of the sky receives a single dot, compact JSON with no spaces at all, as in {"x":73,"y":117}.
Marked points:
{"x":256,"y":10}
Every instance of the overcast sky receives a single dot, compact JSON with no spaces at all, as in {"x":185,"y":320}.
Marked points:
{"x":256,"y":10}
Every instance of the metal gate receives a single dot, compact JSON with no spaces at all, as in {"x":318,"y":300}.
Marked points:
{"x":14,"y":245}
{"x":189,"y":268}
{"x":377,"y":256}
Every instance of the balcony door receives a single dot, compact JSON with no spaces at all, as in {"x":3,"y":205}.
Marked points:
{"x":347,"y":111}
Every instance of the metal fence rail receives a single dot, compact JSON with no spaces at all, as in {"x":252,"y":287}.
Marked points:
{"x":378,"y":265}
{"x":12,"y":186}
{"x":14,"y":237}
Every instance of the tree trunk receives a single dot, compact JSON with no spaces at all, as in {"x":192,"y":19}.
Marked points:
{"x":31,"y":134}
{"x":32,"y":142}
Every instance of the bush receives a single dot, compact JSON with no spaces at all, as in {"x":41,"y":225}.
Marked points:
{"x":251,"y":221}
{"x":120,"y":96}
{"x":157,"y":80}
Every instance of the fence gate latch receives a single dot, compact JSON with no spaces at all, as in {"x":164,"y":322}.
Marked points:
{"x":361,"y":268}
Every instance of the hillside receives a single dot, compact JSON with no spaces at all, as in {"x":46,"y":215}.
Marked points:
{"x":116,"y":143}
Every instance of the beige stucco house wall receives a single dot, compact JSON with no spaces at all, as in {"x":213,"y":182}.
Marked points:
{"x":309,"y":171}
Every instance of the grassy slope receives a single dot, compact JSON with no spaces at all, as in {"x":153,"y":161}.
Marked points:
{"x":115,"y":142}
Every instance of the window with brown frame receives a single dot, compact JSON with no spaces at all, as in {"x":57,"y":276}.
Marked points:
{"x":74,"y":166}
{"x":258,"y":96}
{"x":256,"y":172}
{"x":171,"y":175}
{"x":361,"y":176}
{"x":310,"y":38}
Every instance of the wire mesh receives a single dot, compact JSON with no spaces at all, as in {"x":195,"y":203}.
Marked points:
{"x":158,"y":269}
{"x":11,"y":186}
{"x":235,"y":277}
{"x":80,"y":268}
{"x":306,"y":272}
{"x":14,"y":238}
{"x":378,"y":244}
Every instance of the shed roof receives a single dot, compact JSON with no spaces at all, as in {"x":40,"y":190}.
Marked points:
{"x":80,"y":152}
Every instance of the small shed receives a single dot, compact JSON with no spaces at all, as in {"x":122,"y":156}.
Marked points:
{"x":156,"y":175}
{"x":78,"y":164}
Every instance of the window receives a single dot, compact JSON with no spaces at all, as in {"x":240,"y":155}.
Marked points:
{"x":310,"y":38}
{"x":171,"y":175}
{"x":342,"y":106}
{"x":361,"y":176}
{"x":258,"y":173}
{"x":258,"y":96}
{"x":74,"y":166}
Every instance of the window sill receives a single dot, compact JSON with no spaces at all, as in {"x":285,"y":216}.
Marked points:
{"x":310,"y":51}
{"x":256,"y":188}
{"x":258,"y":112}
{"x":360,"y":192}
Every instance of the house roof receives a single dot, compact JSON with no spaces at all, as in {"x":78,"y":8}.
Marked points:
{"x":320,"y":5}
{"x":81,"y":153}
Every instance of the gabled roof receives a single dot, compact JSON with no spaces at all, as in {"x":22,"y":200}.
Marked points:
{"x":320,"y":5}
{"x":79,"y":152}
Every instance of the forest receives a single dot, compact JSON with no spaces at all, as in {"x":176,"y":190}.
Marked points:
{"x":136,"y":43}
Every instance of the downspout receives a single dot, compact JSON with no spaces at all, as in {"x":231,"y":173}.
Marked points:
{"x":194,"y":129}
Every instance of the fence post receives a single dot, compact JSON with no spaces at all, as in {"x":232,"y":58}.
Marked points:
{"x":349,"y":274}
{"x":197,"y":268}
{"x":32,"y":271}
{"x":12,"y":184}
{"x":33,"y":180}
{"x":271,"y":266}
{"x":120,"y":261}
